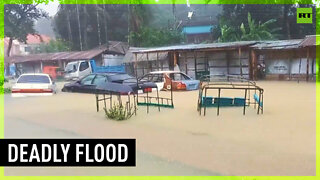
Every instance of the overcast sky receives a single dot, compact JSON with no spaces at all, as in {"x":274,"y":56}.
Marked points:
{"x":51,"y":7}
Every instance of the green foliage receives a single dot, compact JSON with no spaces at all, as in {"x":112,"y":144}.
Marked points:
{"x":113,"y":23}
{"x":253,"y":31}
{"x":118,"y":112}
{"x":284,"y":14}
{"x":19,"y":20}
{"x":54,"y":46}
{"x":150,"y":37}
{"x":5,"y":90}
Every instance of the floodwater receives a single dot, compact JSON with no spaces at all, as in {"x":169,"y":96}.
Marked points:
{"x":281,"y":142}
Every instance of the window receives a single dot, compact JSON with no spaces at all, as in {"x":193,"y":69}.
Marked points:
{"x":34,"y":79}
{"x":84,"y":66}
{"x":147,"y":77}
{"x":27,"y":49}
{"x":87,"y":80}
{"x":179,"y":77}
{"x":99,"y":79}
{"x":157,"y":78}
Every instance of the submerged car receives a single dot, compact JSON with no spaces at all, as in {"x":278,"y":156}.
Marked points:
{"x":89,"y":83}
{"x":37,"y":84}
{"x":164,"y":79}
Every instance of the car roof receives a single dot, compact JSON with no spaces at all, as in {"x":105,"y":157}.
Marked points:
{"x":35,"y":74}
{"x":161,"y":72}
{"x":109,"y":74}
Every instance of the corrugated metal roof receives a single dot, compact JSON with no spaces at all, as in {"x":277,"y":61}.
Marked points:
{"x":310,"y":41}
{"x":192,"y":47}
{"x":281,"y":44}
{"x":129,"y":57}
{"x":114,"y":47}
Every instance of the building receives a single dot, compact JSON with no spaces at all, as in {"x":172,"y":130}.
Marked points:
{"x":31,"y":45}
{"x":279,"y":60}
{"x":34,"y":63}
{"x":198,"y":29}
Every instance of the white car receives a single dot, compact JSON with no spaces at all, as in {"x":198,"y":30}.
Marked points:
{"x":36,"y":84}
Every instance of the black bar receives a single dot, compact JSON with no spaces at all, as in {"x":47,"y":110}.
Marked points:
{"x":67,"y":152}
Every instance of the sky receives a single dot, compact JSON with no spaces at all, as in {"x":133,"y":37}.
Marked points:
{"x":51,"y":8}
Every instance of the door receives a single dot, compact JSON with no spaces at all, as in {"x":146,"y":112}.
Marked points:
{"x":84,"y":69}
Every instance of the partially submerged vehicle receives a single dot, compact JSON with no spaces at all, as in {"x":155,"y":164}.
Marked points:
{"x":36,"y":84}
{"x":165,"y":80}
{"x":89,"y":83}
{"x":76,"y":70}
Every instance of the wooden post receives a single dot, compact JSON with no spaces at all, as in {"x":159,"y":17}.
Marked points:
{"x":157,"y":61}
{"x":148,"y":63}
{"x":186,"y":61}
{"x":253,"y":66}
{"x":175,"y":59}
{"x":136,"y":64}
{"x":41,"y":66}
{"x":228,"y":63}
{"x":195,"y":64}
{"x":290,"y":75}
{"x":239,"y":52}
{"x":307,"y":64}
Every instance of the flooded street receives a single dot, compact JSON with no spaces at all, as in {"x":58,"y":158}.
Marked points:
{"x":179,"y":141}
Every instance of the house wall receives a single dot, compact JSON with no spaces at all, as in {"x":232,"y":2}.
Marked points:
{"x":287,"y":65}
{"x":144,"y":67}
{"x":215,"y":62}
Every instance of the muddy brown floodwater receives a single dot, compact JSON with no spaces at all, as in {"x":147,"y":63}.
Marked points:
{"x":280,"y":142}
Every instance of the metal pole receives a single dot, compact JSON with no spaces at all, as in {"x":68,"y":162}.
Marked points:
{"x":158,"y":99}
{"x":171,"y":94}
{"x":147,"y":102}
{"x":110,"y":100}
{"x":245,"y":101}
{"x":259,"y":101}
{"x":262,"y":102}
{"x":219,"y":91}
{"x":97,"y":103}
{"x":205,"y":107}
{"x":104,"y":101}
{"x":135,"y":106}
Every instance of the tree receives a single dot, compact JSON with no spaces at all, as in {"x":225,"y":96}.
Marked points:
{"x":151,"y":37}
{"x":235,"y":14}
{"x":260,"y":31}
{"x":54,"y":46}
{"x":113,"y":16}
{"x":19,"y":20}
{"x":253,"y":31}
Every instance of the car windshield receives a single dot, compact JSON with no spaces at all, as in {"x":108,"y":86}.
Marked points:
{"x":34,"y":79}
{"x":119,"y":77}
{"x":71,"y":67}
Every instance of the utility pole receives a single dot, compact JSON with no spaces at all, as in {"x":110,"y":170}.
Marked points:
{"x":79,"y":27}
{"x":129,"y":12}
{"x":98,"y":23}
{"x":105,"y":24}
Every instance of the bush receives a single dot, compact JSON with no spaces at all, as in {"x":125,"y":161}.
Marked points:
{"x":5,"y":90}
{"x":118,"y":112}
